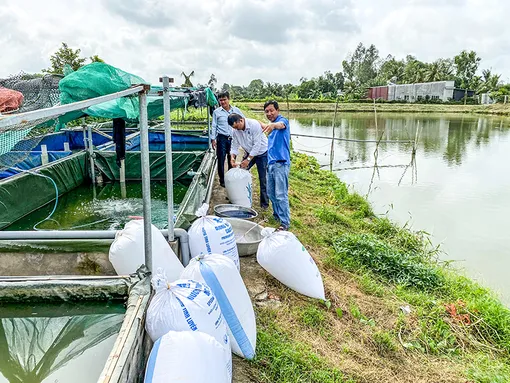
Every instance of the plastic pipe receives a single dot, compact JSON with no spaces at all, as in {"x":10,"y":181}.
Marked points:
{"x":183,"y":237}
{"x":49,"y":235}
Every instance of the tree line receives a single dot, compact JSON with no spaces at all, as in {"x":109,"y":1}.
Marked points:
{"x":361,"y":69}
{"x":365,"y":68}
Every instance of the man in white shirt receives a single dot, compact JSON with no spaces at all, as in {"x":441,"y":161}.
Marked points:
{"x":247,"y":133}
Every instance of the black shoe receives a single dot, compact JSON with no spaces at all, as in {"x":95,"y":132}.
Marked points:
{"x":222,"y":185}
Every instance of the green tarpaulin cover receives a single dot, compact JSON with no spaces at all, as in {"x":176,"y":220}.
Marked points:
{"x":22,"y":194}
{"x":182,"y":163}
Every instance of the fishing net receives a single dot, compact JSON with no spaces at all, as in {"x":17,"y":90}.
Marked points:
{"x":38,"y":92}
{"x":18,"y":94}
{"x":21,"y":141}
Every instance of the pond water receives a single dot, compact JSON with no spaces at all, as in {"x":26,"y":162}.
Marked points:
{"x":104,"y":208}
{"x":456,"y":187}
{"x":57,"y":343}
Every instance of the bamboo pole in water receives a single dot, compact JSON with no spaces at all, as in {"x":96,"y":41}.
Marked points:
{"x":332,"y":152}
{"x":375,"y":116}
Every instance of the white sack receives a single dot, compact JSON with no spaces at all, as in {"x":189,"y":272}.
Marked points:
{"x":188,"y":357}
{"x":282,"y":255}
{"x":127,"y":252}
{"x":223,"y":278}
{"x":238,"y":183}
{"x":210,"y":234}
{"x":184,"y":305}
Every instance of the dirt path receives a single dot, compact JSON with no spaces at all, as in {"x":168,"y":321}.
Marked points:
{"x":254,"y":278}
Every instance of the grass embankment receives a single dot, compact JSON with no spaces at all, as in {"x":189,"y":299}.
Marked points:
{"x":373,"y":272}
{"x":497,"y":109}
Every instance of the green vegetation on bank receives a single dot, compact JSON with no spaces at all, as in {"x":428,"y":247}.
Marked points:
{"x":311,"y":107}
{"x":394,"y":312}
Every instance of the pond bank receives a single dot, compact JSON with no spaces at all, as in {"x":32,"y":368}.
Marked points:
{"x":394,"y":314}
{"x":497,"y":109}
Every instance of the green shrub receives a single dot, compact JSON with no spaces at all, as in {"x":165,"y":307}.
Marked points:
{"x":365,"y":251}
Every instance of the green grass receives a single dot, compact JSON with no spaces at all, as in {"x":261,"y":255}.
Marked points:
{"x":192,"y":114}
{"x":359,"y":252}
{"x":313,"y":317}
{"x":359,"y":316}
{"x":280,"y":359}
{"x":497,"y":109}
{"x":384,"y":342}
{"x":430,"y":289}
{"x":485,"y":369}
{"x":369,"y":285}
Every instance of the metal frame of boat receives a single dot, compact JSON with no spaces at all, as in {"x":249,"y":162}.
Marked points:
{"x":127,"y":359}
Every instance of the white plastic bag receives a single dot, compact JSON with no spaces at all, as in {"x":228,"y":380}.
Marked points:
{"x":127,"y":251}
{"x":188,"y":357}
{"x":282,"y":255}
{"x":184,"y":305}
{"x":210,"y":234}
{"x":238,"y":183}
{"x":222,"y":277}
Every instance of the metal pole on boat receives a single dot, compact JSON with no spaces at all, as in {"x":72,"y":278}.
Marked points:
{"x":84,"y":128}
{"x":168,"y":149}
{"x":91,"y":155}
{"x":146,"y":176}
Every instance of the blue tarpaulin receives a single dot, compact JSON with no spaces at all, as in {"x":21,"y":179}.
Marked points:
{"x":31,"y":160}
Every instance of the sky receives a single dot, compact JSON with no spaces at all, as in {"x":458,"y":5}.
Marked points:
{"x":240,"y":40}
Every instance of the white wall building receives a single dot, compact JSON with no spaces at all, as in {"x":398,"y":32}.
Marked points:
{"x":438,"y":90}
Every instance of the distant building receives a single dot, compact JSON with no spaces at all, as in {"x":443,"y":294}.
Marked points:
{"x":485,"y":99}
{"x":458,"y":94}
{"x":437,"y":90}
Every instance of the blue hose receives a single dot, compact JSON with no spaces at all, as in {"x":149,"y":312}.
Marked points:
{"x":48,"y":218}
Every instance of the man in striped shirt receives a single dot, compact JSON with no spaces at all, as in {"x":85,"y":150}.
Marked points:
{"x":221,"y":133}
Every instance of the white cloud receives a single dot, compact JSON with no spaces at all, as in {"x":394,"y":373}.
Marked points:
{"x":240,"y":40}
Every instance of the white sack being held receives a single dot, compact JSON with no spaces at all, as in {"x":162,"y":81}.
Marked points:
{"x":127,"y":252}
{"x":184,"y":305}
{"x":210,"y":234}
{"x":188,"y":357}
{"x":223,"y":278}
{"x":238,"y":183}
{"x":282,"y":255}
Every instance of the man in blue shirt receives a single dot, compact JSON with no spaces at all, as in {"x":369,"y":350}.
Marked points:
{"x":221,"y":134}
{"x":278,"y":157}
